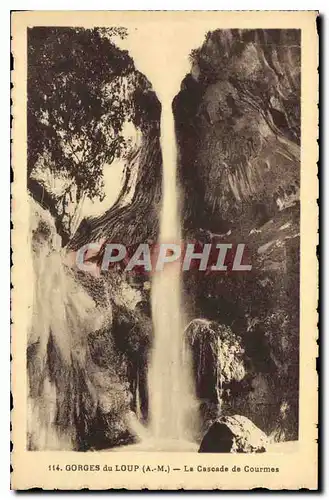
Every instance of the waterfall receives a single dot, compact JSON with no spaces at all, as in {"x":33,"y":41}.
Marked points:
{"x":173,"y":408}
{"x":171,"y":396}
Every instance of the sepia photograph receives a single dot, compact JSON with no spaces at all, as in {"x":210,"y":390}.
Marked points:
{"x":159,"y":251}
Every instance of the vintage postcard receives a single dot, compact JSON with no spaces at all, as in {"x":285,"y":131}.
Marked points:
{"x":164,"y":210}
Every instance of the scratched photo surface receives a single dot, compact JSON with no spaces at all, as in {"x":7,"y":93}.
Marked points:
{"x":192,"y":357}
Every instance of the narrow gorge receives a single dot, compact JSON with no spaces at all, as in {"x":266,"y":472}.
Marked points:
{"x":209,"y":152}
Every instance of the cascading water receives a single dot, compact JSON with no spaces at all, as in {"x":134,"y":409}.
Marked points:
{"x":172,"y":403}
{"x":173,"y":408}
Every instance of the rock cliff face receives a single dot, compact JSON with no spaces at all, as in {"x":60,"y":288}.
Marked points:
{"x":132,"y":220}
{"x":89,"y":341}
{"x":87,"y":351}
{"x":238,"y":129}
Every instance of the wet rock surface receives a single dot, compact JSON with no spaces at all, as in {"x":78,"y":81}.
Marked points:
{"x":217,"y":362}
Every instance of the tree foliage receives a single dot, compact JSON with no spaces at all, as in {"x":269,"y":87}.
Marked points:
{"x":76,"y":103}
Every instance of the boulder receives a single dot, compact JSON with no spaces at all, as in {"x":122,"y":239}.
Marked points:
{"x":233,"y":434}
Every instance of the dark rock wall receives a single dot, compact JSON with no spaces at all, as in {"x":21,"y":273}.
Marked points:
{"x":238,"y":131}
